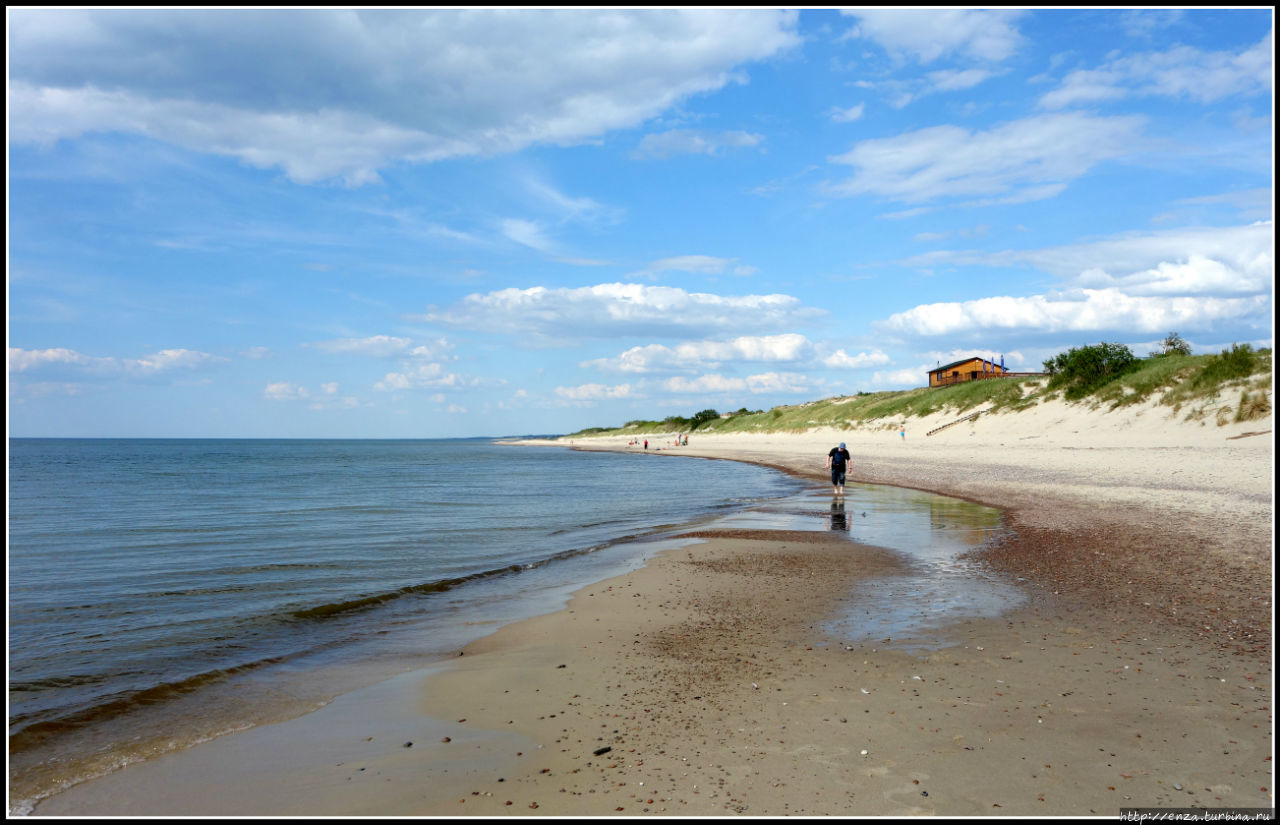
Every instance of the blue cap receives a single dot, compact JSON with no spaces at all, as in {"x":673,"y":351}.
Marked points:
{"x":841,"y":445}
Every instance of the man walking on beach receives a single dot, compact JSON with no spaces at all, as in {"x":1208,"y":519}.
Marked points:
{"x":837,"y":460}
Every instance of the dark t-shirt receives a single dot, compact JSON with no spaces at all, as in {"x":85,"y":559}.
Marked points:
{"x":838,"y":458}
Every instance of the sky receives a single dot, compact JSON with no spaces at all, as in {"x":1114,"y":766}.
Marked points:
{"x":453,"y":223}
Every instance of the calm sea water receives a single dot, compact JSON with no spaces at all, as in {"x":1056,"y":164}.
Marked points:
{"x":166,"y":591}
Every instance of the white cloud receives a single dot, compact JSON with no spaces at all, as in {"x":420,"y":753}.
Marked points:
{"x":848,"y":115}
{"x":21,"y":360}
{"x":608,"y":310}
{"x":908,"y":377}
{"x":387,"y":346}
{"x":284,"y":391}
{"x":159,"y":363}
{"x":756,"y":384}
{"x":695,"y":264}
{"x":704,"y":383}
{"x":1150,"y":283}
{"x":1025,"y":159}
{"x":423,"y":376}
{"x":356,"y":91}
{"x":780,"y":382}
{"x":928,"y":34}
{"x":843,"y":360}
{"x":378,"y":346}
{"x":663,"y":145}
{"x":170,"y":359}
{"x":1225,"y":261}
{"x":1198,"y":275}
{"x":1183,"y":71}
{"x":951,"y":80}
{"x":595,"y":392}
{"x":527,"y":233}
{"x":694,"y":356}
{"x":1085,"y":310}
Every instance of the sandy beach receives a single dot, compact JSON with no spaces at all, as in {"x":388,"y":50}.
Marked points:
{"x":1139,"y":674}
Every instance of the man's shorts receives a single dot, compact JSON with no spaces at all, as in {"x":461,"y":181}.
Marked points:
{"x":837,"y":477}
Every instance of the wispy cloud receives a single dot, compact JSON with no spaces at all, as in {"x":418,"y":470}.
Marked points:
{"x":596,"y":392}
{"x":692,"y":142}
{"x":694,"y":356}
{"x":164,"y":362}
{"x":1022,"y":160}
{"x":1180,"y":72}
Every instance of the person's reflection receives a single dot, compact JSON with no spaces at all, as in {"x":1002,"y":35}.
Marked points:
{"x":837,"y":515}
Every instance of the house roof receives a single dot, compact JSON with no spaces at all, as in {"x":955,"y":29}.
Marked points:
{"x":964,"y":361}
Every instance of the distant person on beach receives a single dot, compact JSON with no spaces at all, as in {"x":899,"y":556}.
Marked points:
{"x":837,"y":460}
{"x":646,"y":443}
{"x":903,"y":432}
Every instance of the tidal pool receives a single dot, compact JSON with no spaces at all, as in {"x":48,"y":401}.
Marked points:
{"x":914,"y":609}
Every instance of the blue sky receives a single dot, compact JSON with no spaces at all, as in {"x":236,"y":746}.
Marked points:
{"x":256,"y":223}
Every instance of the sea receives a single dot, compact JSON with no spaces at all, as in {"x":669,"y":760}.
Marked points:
{"x":162,"y":593}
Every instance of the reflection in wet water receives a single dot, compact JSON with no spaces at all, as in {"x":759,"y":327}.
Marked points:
{"x":912,"y":609}
{"x":837,"y":519}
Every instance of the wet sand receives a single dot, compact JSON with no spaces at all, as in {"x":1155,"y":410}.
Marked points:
{"x":717,"y":692}
{"x":705,"y":683}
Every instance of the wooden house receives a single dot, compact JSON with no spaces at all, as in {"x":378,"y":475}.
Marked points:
{"x":969,"y":369}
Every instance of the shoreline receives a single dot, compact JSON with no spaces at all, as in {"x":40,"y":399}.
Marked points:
{"x":1084,"y":702}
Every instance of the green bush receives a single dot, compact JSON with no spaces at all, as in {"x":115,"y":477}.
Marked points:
{"x":1239,"y":362}
{"x":1082,"y":370}
{"x":703,"y":417}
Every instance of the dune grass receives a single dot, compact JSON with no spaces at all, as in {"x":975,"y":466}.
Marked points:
{"x":1232,"y":386}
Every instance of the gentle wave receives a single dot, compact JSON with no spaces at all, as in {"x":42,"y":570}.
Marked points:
{"x":37,"y":733}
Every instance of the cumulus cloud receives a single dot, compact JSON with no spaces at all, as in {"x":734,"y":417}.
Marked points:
{"x":1084,"y":310}
{"x":21,"y":360}
{"x":1186,"y":279}
{"x":610,"y":310}
{"x":1183,"y":71}
{"x":1027,"y":159}
{"x":284,"y":391}
{"x":843,"y":360}
{"x":424,"y":376}
{"x":340,"y":94}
